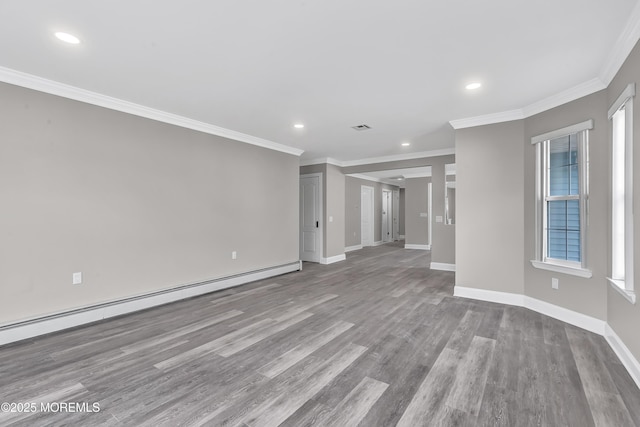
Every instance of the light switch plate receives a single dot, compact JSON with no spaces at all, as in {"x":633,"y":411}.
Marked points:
{"x":77,"y":278}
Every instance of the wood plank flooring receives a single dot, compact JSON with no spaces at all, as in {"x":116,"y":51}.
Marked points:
{"x":376,"y":340}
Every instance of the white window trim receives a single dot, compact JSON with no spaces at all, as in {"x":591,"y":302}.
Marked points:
{"x":541,"y":261}
{"x":626,"y":287}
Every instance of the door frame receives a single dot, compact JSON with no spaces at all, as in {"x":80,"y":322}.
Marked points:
{"x":320,"y":230}
{"x":396,"y":214}
{"x":387,"y":197}
{"x":372,"y":229}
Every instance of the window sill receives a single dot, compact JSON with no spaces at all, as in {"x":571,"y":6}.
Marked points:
{"x":580,"y":272}
{"x":618,"y":285}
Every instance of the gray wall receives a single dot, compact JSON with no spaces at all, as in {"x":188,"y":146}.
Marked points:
{"x":489,"y":158}
{"x":443,"y":249}
{"x":490,"y":207}
{"x":624,"y":317}
{"x":335,"y":193}
{"x":416,"y":227}
{"x":136,"y":205}
{"x":575,"y":293}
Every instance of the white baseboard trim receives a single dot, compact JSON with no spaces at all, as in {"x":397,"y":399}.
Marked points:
{"x":420,"y":247}
{"x":491,"y":296}
{"x":353,"y":248}
{"x":623,"y":353}
{"x":574,"y":318}
{"x":57,"y":322}
{"x":333,"y":259}
{"x":442,"y":266}
{"x":580,"y":320}
{"x":378,"y":243}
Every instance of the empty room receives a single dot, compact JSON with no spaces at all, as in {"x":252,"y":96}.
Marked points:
{"x":305,"y":213}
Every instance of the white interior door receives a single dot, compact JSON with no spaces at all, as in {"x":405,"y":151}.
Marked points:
{"x":366,"y":216}
{"x":310,"y":217}
{"x":386,"y":216}
{"x":396,"y":215}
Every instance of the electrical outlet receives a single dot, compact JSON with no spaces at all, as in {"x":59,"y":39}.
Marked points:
{"x":77,"y":278}
{"x":234,"y":255}
{"x":554,"y":283}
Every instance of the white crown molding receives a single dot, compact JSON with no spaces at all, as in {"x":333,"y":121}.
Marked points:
{"x":383,"y":159}
{"x":399,"y":157}
{"x":321,"y":161}
{"x":416,"y":175}
{"x":57,"y":322}
{"x":365,"y":177}
{"x":624,"y":44}
{"x":487,"y":119}
{"x":40,"y":84}
{"x":571,"y":94}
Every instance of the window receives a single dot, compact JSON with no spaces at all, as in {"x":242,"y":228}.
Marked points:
{"x":562,"y":189}
{"x":621,"y":116}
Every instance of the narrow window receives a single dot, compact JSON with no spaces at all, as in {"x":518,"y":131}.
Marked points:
{"x":621,"y":116}
{"x":562,"y":162}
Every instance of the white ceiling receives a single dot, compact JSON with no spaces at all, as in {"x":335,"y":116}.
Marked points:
{"x":258,"y":67}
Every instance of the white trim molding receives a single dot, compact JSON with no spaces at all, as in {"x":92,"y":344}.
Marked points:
{"x":569,"y":316}
{"x":383,"y":159}
{"x":64,"y":320}
{"x":623,"y":353}
{"x":353,"y":248}
{"x":442,"y":266}
{"x":580,"y":272}
{"x":623,"y":46}
{"x":40,"y":84}
{"x":378,"y":243}
{"x":568,"y":130}
{"x":419,"y":247}
{"x":571,"y":94}
{"x":333,"y":259}
{"x":619,"y":286}
{"x":401,"y":237}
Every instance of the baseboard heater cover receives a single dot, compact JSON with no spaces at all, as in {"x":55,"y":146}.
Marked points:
{"x":68,"y":319}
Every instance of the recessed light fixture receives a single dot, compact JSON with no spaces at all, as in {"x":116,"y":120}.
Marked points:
{"x":399,"y":179}
{"x":406,"y":144}
{"x":298,"y":126}
{"x":473,"y":86}
{"x":68,"y":38}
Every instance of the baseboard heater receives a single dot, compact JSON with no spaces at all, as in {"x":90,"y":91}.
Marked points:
{"x":68,"y":319}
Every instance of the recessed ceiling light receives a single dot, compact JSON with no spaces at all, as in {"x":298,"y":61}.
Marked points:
{"x":399,"y":179}
{"x":406,"y":144}
{"x":473,"y":86}
{"x":66,"y":37}
{"x":298,"y":126}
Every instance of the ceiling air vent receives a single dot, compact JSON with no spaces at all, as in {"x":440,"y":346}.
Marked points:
{"x":361,"y":127}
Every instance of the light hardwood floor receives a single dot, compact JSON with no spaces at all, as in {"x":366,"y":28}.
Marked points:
{"x":376,"y":340}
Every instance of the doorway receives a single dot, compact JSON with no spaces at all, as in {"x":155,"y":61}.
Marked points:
{"x":387,"y":216}
{"x":366,"y":215}
{"x":311,"y":217}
